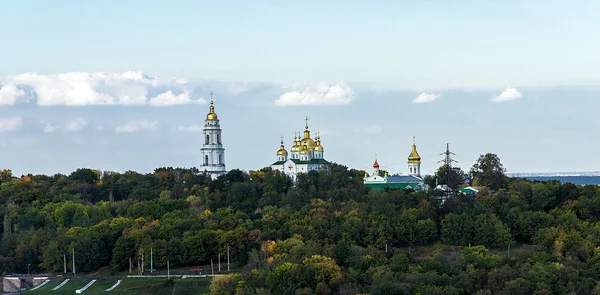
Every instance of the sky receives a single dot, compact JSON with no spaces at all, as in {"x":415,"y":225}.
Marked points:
{"x":124,"y":85}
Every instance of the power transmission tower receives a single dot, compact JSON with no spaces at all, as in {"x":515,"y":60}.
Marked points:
{"x":447,"y":161}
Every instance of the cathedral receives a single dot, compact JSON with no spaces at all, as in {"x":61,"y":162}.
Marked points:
{"x":305,"y":155}
{"x":412,"y":181}
{"x":213,"y":153}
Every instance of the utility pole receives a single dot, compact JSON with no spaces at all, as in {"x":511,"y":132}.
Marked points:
{"x":219,"y":262}
{"x":212,"y":268}
{"x":447,"y":161}
{"x":168,"y":271}
{"x":227,"y":258}
{"x":129,"y":265}
{"x":142,"y":263}
{"x":150,"y":260}
{"x":74,"y":274}
{"x":65,"y":263}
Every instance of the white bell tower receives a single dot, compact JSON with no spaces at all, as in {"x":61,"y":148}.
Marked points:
{"x":213,"y":153}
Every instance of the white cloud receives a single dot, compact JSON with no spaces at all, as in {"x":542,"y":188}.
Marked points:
{"x":133,"y":126}
{"x":191,"y":128}
{"x":49,"y":128}
{"x":373,"y":129}
{"x":168,"y":98}
{"x":507,"y":95}
{"x":316,"y":94}
{"x":9,"y":94}
{"x":83,"y":88}
{"x":75,"y":125}
{"x":9,"y":124}
{"x":426,"y":97}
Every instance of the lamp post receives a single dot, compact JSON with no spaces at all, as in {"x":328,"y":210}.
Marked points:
{"x":28,"y":269}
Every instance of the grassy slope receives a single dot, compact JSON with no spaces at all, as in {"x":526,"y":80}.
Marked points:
{"x":131,"y":286}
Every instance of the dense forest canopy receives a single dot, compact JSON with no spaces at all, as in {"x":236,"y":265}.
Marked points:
{"x":325,"y":234}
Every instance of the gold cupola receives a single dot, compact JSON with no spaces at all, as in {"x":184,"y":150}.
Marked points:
{"x":212,"y":115}
{"x":307,"y":140}
{"x":282,"y":151}
{"x":318,"y":147}
{"x":305,"y":150}
{"x":295,"y":146}
{"x":414,"y":157}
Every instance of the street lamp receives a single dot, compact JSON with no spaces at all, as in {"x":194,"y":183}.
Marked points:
{"x":28,"y":269}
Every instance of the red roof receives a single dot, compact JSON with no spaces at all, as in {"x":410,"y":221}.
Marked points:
{"x":375,"y":165}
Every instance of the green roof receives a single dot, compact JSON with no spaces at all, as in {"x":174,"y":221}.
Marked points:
{"x":469,"y":190}
{"x":278,"y":163}
{"x":398,"y":185}
{"x":313,"y":161}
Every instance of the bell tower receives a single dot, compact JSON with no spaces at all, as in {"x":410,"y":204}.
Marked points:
{"x":414,"y":161}
{"x":213,"y":153}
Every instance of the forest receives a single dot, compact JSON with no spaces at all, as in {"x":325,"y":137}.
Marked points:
{"x":325,"y":234}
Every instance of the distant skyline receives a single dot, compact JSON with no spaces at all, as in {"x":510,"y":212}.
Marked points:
{"x":123,"y":85}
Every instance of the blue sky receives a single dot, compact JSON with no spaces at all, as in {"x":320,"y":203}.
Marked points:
{"x":119,"y":85}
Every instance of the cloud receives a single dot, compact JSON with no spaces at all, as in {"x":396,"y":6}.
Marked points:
{"x":9,"y":124}
{"x":49,"y":128}
{"x":134,"y":126}
{"x":316,"y":94}
{"x":99,"y":88}
{"x":168,"y":99}
{"x":426,"y":97}
{"x":191,"y":128}
{"x":507,"y":95}
{"x":373,"y":129}
{"x":9,"y":94}
{"x":75,"y":125}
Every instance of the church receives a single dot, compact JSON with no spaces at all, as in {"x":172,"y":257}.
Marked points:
{"x":412,"y":181}
{"x":213,"y":153}
{"x":305,"y":155}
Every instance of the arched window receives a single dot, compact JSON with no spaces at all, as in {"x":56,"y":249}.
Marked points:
{"x":219,"y":138}
{"x":206,"y":159}
{"x":207,"y":139}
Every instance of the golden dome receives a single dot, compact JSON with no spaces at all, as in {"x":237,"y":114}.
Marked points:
{"x":414,"y":155}
{"x":282,"y":151}
{"x":308,"y":142}
{"x":318,"y":147}
{"x":305,"y":150}
{"x":295,"y":146}
{"x":212,"y":115}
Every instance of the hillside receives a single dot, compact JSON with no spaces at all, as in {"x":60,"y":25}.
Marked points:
{"x":325,"y":234}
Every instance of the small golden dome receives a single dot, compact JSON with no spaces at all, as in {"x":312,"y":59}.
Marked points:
{"x":318,"y":147}
{"x":295,"y":146}
{"x":414,"y":155}
{"x":282,"y":151}
{"x":305,"y":150}
{"x":212,"y":115}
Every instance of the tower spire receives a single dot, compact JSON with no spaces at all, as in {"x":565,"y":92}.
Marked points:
{"x":306,"y":119}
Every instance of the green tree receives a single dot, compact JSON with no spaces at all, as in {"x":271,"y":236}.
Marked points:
{"x":453,"y":177}
{"x":488,"y":171}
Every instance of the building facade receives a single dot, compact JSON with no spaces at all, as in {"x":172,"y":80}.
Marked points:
{"x":305,"y":155}
{"x":412,"y":181}
{"x":213,"y":153}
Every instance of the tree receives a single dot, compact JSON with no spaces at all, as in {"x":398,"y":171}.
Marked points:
{"x":450,"y":176}
{"x":488,"y":171}
{"x":85,"y":175}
